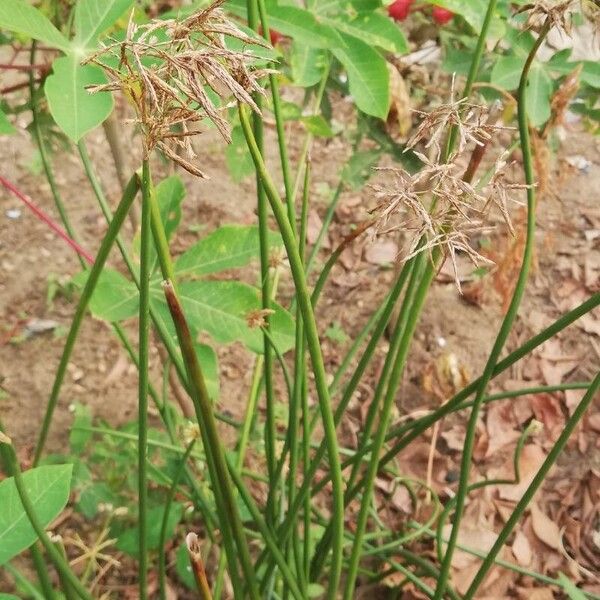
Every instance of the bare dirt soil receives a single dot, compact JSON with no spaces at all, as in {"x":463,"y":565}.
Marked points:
{"x":561,"y":532}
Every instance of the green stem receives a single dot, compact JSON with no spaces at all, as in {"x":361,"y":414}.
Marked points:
{"x":314,"y":347}
{"x":473,"y":71}
{"x":165,"y":520}
{"x":144,"y":332}
{"x":224,"y":495}
{"x":507,"y":323}
{"x":519,"y":509}
{"x":42,"y":572}
{"x":94,"y":274}
{"x":399,"y":352}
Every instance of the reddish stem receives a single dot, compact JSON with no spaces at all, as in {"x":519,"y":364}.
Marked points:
{"x":42,"y":216}
{"x":13,"y":67}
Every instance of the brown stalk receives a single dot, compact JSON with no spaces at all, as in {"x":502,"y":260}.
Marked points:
{"x":193,"y":546}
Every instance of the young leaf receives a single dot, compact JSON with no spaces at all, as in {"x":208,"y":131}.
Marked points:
{"x":93,"y":17}
{"x":368,"y":76}
{"x":21,"y":17}
{"x":228,"y":247}
{"x":128,"y":540}
{"x":74,"y":108}
{"x":48,"y":488}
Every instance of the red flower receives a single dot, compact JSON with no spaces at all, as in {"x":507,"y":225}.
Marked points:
{"x":399,"y":9}
{"x":441,"y":15}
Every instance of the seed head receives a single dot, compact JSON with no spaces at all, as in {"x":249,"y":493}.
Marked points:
{"x":179,"y":73}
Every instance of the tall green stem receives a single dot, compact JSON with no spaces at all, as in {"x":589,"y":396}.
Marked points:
{"x":507,"y":324}
{"x":95,"y":271}
{"x":144,"y":331}
{"x":314,"y":348}
{"x":218,"y":470}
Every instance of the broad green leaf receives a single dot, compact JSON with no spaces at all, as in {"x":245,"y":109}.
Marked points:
{"x":590,"y":71}
{"x":307,"y":63}
{"x":8,"y":597}
{"x":93,"y":17}
{"x":456,"y":61}
{"x":506,"y":73}
{"x":360,"y":168}
{"x":295,"y":22}
{"x":207,"y":358}
{"x":170,"y":193}
{"x":48,"y":489}
{"x":539,"y":91}
{"x":318,"y":126}
{"x":21,"y":17}
{"x":237,"y":156}
{"x":473,"y":12}
{"x":6,"y":127}
{"x":368,"y":76}
{"x":228,"y":247}
{"x":222,"y":309}
{"x":372,"y":28}
{"x":74,"y":108}
{"x":92,"y":495}
{"x":128,"y":540}
{"x":115,"y":298}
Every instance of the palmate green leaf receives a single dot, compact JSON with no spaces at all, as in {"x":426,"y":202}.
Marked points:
{"x":368,"y":76}
{"x":48,"y":488}
{"x":6,"y":127}
{"x":20,"y":17}
{"x":93,"y":17}
{"x":228,"y":247}
{"x":220,"y":308}
{"x":75,"y":110}
{"x":372,"y":28}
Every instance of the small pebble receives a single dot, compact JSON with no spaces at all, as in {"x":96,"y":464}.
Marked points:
{"x":13,"y":213}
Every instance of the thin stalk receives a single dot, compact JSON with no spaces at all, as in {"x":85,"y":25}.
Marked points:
{"x":11,"y":462}
{"x":314,"y":347}
{"x":162,"y":562}
{"x":508,"y":321}
{"x":304,"y":493}
{"x":37,"y":131}
{"x":224,"y":495}
{"x":197,"y":565}
{"x":144,"y":344}
{"x":519,"y":509}
{"x":68,"y":591}
{"x":95,"y":271}
{"x":263,"y":228}
{"x":473,"y":71}
{"x":42,"y":571}
{"x":24,"y":583}
{"x":398,"y":351}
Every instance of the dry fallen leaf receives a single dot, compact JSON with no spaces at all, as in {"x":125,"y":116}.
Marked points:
{"x":544,"y":527}
{"x":522,"y":549}
{"x":475,"y":538}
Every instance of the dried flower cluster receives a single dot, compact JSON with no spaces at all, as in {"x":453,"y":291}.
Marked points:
{"x":555,"y":12}
{"x":177,"y":73}
{"x":437,"y":205}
